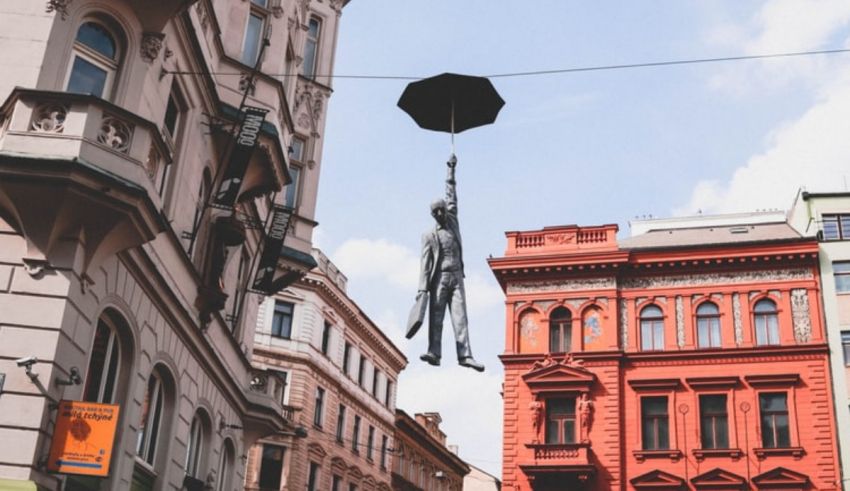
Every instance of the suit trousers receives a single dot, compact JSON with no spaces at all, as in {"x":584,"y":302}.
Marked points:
{"x":447,"y":291}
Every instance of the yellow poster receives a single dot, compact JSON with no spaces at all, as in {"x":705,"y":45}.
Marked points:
{"x":82,"y":441}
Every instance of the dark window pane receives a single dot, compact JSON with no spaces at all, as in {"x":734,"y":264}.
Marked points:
{"x":271,"y":466}
{"x":783,"y":434}
{"x":663,"y":435}
{"x":86,"y":78}
{"x":251,"y":48}
{"x":291,"y":197}
{"x":845,"y":344}
{"x":111,"y":373}
{"x":282,"y":320}
{"x":97,"y":38}
{"x":773,"y":402}
{"x":560,"y":407}
{"x":551,"y":432}
{"x":97,"y":360}
{"x":569,"y":431}
{"x":172,"y":111}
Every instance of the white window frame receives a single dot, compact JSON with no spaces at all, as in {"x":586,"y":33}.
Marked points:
{"x":110,"y":66}
{"x":195,"y":447}
{"x":262,"y":13}
{"x":146,"y":436}
{"x":107,"y":361}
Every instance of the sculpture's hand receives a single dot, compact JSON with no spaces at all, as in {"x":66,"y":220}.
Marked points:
{"x":452,"y":161}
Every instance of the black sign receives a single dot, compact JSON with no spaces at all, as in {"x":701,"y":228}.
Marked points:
{"x":240,"y":155}
{"x":271,"y":249}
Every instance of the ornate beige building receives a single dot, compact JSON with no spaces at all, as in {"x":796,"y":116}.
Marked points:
{"x":130,"y":240}
{"x":423,"y":462}
{"x":341,"y":373}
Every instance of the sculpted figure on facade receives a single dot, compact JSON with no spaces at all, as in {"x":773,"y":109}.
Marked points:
{"x":441,"y":280}
{"x":536,"y":409}
{"x":585,"y":411}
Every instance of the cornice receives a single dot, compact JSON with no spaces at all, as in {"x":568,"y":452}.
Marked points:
{"x":418,"y":435}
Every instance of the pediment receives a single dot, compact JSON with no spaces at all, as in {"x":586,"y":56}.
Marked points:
{"x":718,"y":479}
{"x":316,"y":451}
{"x":558,"y":375}
{"x":658,"y":480}
{"x":781,"y":478}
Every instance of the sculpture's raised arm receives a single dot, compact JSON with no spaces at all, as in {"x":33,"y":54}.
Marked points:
{"x":451,"y":186}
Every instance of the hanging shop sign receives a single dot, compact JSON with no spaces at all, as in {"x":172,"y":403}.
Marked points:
{"x":83,"y":438}
{"x":271,"y":249}
{"x":243,"y":147}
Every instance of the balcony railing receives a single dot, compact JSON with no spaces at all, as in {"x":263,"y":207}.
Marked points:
{"x":273,"y":386}
{"x":558,"y":239}
{"x":560,"y":454}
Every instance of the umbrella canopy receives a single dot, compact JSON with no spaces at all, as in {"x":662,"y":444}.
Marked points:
{"x":451,"y":103}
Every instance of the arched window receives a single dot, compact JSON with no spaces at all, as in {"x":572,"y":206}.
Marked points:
{"x":311,"y":47}
{"x":766,"y":322}
{"x":708,"y":325}
{"x":225,"y":465}
{"x":197,"y":446}
{"x":94,"y":61}
{"x":651,"y":328}
{"x":560,"y":330}
{"x":104,"y":363}
{"x":151,"y":421}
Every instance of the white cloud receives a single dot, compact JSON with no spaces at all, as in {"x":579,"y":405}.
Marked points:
{"x":378,"y":259}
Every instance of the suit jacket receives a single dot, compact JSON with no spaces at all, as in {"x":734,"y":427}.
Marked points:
{"x":431,"y":252}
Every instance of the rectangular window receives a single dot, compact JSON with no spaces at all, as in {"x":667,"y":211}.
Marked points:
{"x":352,"y":487}
{"x":714,"y":426}
{"x":340,"y":424}
{"x":384,"y":444}
{"x":173,"y":109}
{"x":370,"y":442}
{"x":282,"y":320}
{"x":311,"y":48}
{"x":271,"y":466}
{"x":361,"y":370}
{"x":388,"y":394}
{"x":845,"y":344}
{"x":346,"y":358}
{"x":313,"y":477}
{"x":355,"y":436}
{"x":291,"y":193}
{"x":326,"y":338}
{"x":284,"y":382}
{"x":253,"y":37}
{"x":841,"y":272}
{"x":773,"y":408}
{"x":318,"y":416}
{"x":561,"y":420}
{"x":336,"y":483}
{"x":654,"y":423}
{"x":836,"y":227}
{"x":652,"y":334}
{"x":375,"y":374}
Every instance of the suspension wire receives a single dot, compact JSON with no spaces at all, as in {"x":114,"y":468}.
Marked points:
{"x":556,"y":71}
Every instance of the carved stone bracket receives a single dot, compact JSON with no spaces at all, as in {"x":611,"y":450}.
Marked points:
{"x":151,"y":46}
{"x":58,"y":6}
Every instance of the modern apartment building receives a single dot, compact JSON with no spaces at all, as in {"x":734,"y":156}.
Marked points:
{"x":826,"y":216}
{"x":692,"y":355}
{"x":138,"y":233}
{"x":341,"y":374}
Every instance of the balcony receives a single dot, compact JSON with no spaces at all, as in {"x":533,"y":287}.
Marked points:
{"x":559,"y":461}
{"x":571,"y":238}
{"x":265,"y":391}
{"x":74,"y":164}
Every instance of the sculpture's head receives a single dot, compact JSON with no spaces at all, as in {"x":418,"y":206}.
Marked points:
{"x":438,"y":211}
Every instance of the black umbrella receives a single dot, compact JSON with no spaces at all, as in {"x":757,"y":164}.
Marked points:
{"x":451,"y":103}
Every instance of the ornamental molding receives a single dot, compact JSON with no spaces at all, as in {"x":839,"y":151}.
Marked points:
{"x":58,"y":6}
{"x":736,"y":319}
{"x":528,"y":329}
{"x":49,"y":118}
{"x":151,"y":46}
{"x":544,"y":304}
{"x":800,"y":315}
{"x":336,"y":5}
{"x":728,"y":360}
{"x":727,"y":278}
{"x":624,"y":324}
{"x":680,"y":321}
{"x":312,"y":99}
{"x":203,"y":13}
{"x":561,"y":285}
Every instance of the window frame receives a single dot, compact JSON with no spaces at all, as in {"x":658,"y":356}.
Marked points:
{"x":765,"y":316}
{"x":774,"y":413}
{"x":845,"y":347}
{"x":260,"y":474}
{"x":297,"y":158}
{"x":840,"y":220}
{"x":370,"y":443}
{"x":111,"y":364}
{"x":340,"y":424}
{"x":346,"y":359}
{"x":310,"y":67}
{"x":319,"y":408}
{"x":355,"y":435}
{"x":148,"y":438}
{"x":711,"y":322}
{"x":561,"y":422}
{"x":195,"y":447}
{"x":312,"y":476}
{"x":560,"y":330}
{"x":326,"y":338}
{"x":262,"y":13}
{"x":385,"y":440}
{"x":650,"y":323}
{"x":840,"y":276}
{"x":714,"y":416}
{"x":644,"y":441}
{"x":291,"y":314}
{"x":111,"y":66}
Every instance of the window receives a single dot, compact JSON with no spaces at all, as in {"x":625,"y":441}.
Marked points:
{"x":708,"y":325}
{"x":326,"y":338}
{"x":352,"y":487}
{"x":773,"y":408}
{"x":651,"y":329}
{"x":94,"y":61}
{"x":560,"y":331}
{"x":841,"y":271}
{"x":282,"y":320}
{"x":370,"y":442}
{"x":104,"y":363}
{"x":346,"y":358}
{"x":226,"y":465}
{"x":767,"y":323}
{"x":361,"y":369}
{"x":375,"y":375}
{"x":239,"y":288}
{"x":271,"y":466}
{"x":384,"y":444}
{"x":254,"y":32}
{"x":845,"y":345}
{"x":152,"y":408}
{"x":654,"y":423}
{"x":561,"y":420}
{"x":714,"y":427}
{"x":203,"y":196}
{"x":311,"y":47}
{"x":284,"y":383}
{"x":296,"y":154}
{"x":313,"y":477}
{"x":195,"y":448}
{"x":340,"y":424}
{"x":836,"y":227}
{"x":336,"y":483}
{"x":355,"y":436}
{"x":318,"y":416}
{"x":388,"y":394}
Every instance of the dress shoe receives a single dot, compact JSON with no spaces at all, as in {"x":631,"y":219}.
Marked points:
{"x":471,"y":363}
{"x":431,"y":359}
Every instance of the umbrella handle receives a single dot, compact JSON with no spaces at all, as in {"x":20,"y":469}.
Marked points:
{"x":452,"y":124}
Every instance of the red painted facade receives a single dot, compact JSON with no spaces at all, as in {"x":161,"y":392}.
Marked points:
{"x":664,"y":366}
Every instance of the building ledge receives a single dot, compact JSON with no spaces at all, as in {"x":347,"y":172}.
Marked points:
{"x":672,"y":454}
{"x":703,"y":453}
{"x":763,"y":453}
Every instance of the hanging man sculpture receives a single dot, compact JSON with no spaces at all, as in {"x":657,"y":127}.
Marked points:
{"x":441,"y":280}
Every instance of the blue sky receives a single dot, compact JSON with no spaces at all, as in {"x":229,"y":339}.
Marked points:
{"x":585,"y":148}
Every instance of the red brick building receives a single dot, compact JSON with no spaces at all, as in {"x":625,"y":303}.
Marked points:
{"x":691,"y":356}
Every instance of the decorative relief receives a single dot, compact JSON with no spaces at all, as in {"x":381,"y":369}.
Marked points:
{"x":736,"y":319}
{"x":717,"y":297}
{"x":49,"y":118}
{"x":151,"y":46}
{"x":560,"y":239}
{"x":544,"y":304}
{"x":576,"y":303}
{"x":336,"y":5}
{"x":152,"y":163}
{"x":58,"y":6}
{"x":800,"y":315}
{"x":561,"y":285}
{"x":528,"y":329}
{"x":680,"y":322}
{"x":303,"y":121}
{"x":247,"y":83}
{"x":624,"y":323}
{"x":713,"y":278}
{"x":775,"y":293}
{"x":661,"y":300}
{"x":304,"y":6}
{"x":203,"y":14}
{"x":115,"y":133}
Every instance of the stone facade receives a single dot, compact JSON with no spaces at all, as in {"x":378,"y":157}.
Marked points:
{"x":113,"y":138}
{"x":334,"y":348}
{"x":422,"y":460}
{"x":629,"y":407}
